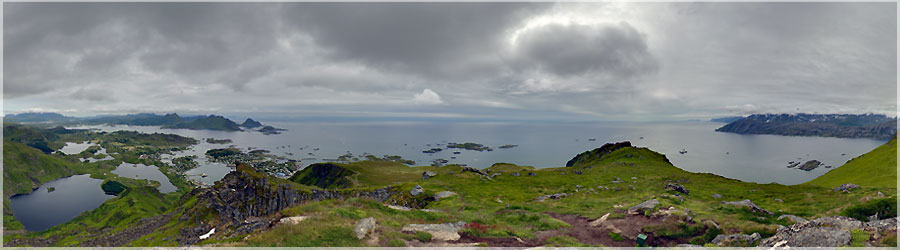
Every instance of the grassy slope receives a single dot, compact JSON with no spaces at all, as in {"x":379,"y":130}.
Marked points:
{"x":877,"y":168}
{"x":477,"y":201}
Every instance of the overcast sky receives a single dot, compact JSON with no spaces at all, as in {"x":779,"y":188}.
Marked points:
{"x":550,"y":61}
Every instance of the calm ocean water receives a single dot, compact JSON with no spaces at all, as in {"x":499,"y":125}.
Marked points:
{"x":754,"y":158}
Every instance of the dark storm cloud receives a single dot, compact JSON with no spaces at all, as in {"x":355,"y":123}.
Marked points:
{"x":434,"y":39}
{"x":618,"y":50}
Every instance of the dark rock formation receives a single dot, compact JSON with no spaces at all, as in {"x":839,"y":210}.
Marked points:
{"x":428,"y":174}
{"x":828,"y":125}
{"x":246,"y":199}
{"x":677,"y":188}
{"x":810,"y":165}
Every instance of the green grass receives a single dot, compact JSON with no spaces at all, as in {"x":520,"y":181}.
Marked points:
{"x":423,"y":236}
{"x":859,"y":238}
{"x":877,"y":168}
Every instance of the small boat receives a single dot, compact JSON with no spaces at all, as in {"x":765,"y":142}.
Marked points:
{"x":682,"y":151}
{"x":203,"y":175}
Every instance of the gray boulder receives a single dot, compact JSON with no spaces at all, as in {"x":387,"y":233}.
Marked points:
{"x":416,"y":191}
{"x":736,"y":240}
{"x":444,"y":232}
{"x":823,"y":232}
{"x":794,"y":218}
{"x":428,"y":174}
{"x":515,"y":174}
{"x":845,"y":187}
{"x":648,"y":205}
{"x":364,"y":227}
{"x":444,"y":194}
{"x":748,"y":204}
{"x":531,"y":174}
{"x":717,"y":196}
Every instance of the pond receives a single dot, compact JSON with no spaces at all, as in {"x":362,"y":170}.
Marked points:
{"x":141,"y":171}
{"x":71,"y":196}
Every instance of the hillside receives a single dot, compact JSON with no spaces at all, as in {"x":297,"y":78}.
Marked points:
{"x":877,"y":168}
{"x":212,"y":122}
{"x":599,"y":199}
{"x":829,"y":125}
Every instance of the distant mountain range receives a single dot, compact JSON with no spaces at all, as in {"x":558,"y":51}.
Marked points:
{"x":827,"y":125}
{"x":172,"y":120}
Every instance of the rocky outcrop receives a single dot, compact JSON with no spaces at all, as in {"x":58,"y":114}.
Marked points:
{"x":364,"y":227}
{"x":677,"y":188}
{"x":825,"y":232}
{"x":749,"y":205}
{"x":444,"y":232}
{"x":428,"y":174}
{"x":846,"y":187}
{"x":416,"y":191}
{"x":736,"y":240}
{"x":555,"y":196}
{"x":648,"y":205}
{"x":245,"y":199}
{"x":793,"y":218}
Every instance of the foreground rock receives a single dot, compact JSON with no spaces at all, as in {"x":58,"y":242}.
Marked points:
{"x":444,"y":194}
{"x":845,"y":187}
{"x":428,"y":174}
{"x":736,"y":240}
{"x":677,"y":188}
{"x":794,"y":218}
{"x":364,"y":227}
{"x":748,"y":204}
{"x":292,"y":220}
{"x":648,"y":205}
{"x":444,"y":232}
{"x":832,"y":231}
{"x":556,"y":196}
{"x":416,"y":191}
{"x":823,"y":232}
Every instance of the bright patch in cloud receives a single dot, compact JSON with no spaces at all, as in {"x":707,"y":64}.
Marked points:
{"x":427,"y":97}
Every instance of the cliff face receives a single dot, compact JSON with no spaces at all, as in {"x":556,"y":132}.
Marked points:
{"x":246,"y":200}
{"x":843,"y":126}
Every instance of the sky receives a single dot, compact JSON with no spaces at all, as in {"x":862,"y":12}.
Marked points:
{"x":471,"y":61}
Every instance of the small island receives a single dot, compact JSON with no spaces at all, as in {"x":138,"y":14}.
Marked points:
{"x":508,"y":146}
{"x":469,"y":146}
{"x":218,"y":141}
{"x":269,"y":130}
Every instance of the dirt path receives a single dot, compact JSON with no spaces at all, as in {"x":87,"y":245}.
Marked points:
{"x":629,"y":227}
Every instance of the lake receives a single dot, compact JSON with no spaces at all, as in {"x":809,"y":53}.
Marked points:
{"x":753,"y":158}
{"x":141,"y":171}
{"x":73,"y":195}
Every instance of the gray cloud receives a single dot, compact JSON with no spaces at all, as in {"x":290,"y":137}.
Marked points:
{"x":569,"y":60}
{"x":617,"y":51}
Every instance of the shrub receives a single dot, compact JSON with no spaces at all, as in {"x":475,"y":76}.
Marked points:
{"x":885,"y":208}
